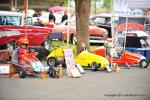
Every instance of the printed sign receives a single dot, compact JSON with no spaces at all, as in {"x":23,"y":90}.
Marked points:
{"x":132,"y":24}
{"x":80,"y":68}
{"x":75,"y":73}
{"x":69,"y":61}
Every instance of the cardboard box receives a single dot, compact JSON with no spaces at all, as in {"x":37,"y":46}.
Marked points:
{"x":5,"y":55}
{"x":4,"y":68}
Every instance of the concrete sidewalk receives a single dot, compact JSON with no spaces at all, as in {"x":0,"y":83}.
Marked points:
{"x":128,"y":84}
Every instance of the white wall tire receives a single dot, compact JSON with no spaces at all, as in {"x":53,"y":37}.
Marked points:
{"x":52,"y":62}
{"x":144,"y":63}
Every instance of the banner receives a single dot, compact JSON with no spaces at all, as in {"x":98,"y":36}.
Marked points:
{"x":138,"y":3}
{"x":120,"y":7}
{"x":132,"y":24}
{"x":69,"y":59}
{"x":133,"y":15}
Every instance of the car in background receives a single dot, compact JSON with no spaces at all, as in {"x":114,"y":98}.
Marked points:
{"x":12,"y":28}
{"x":102,"y":21}
{"x":97,"y":35}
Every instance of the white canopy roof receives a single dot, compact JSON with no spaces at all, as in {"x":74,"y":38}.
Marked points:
{"x":138,"y":3}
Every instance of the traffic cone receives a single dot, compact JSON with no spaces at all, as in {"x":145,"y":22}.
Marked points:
{"x":43,"y":75}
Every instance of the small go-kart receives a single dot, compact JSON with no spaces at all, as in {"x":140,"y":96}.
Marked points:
{"x":85,"y":59}
{"x":125,"y":58}
{"x":31,"y":64}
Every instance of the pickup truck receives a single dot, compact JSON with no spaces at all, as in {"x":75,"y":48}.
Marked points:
{"x":12,"y":27}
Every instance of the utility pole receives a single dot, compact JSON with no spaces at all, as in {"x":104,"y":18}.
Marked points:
{"x":16,"y":5}
{"x":95,"y":7}
{"x":11,"y":4}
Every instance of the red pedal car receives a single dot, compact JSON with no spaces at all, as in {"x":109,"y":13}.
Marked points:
{"x":32,"y":65}
{"x":125,"y":58}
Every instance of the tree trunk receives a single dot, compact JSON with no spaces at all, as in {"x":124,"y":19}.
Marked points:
{"x":82,"y":9}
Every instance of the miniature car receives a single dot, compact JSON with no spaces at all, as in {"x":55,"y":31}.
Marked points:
{"x":32,"y":65}
{"x":138,"y":42}
{"x":85,"y":59}
{"x":126,"y":57}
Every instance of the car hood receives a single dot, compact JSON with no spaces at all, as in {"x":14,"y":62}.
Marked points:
{"x":64,"y":28}
{"x":87,"y":55}
{"x":93,"y":30}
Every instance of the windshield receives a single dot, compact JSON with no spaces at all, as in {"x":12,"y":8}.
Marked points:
{"x":10,"y":20}
{"x":102,"y":20}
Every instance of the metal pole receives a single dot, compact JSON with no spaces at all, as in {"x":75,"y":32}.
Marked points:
{"x":25,"y":12}
{"x":112,"y":28}
{"x":11,"y":4}
{"x":125,"y":33}
{"x":95,"y":7}
{"x":16,"y":5}
{"x":68,"y":23}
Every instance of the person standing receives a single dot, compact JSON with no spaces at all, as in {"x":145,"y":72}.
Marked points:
{"x":64,"y":17}
{"x":38,"y":23}
{"x":52,"y":17}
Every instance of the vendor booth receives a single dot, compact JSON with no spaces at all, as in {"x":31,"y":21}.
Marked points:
{"x":131,"y":27}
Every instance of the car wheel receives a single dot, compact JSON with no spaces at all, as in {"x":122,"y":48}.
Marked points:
{"x":52,"y":72}
{"x":52,"y":62}
{"x":144,"y":63}
{"x":11,"y":45}
{"x":22,"y":73}
{"x":47,"y":43}
{"x":94,"y":66}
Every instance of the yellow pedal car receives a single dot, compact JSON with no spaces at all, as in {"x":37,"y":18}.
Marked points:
{"x":85,"y":59}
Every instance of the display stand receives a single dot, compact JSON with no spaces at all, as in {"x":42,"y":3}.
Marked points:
{"x":72,"y":71}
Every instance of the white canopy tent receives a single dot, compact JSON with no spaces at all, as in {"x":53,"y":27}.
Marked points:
{"x":121,"y":8}
{"x":138,"y":3}
{"x":132,"y":3}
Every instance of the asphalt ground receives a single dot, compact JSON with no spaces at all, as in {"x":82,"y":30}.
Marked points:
{"x":128,"y":84}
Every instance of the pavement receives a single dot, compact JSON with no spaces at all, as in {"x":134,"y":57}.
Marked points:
{"x":128,"y":84}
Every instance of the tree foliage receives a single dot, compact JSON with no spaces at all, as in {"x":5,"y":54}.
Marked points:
{"x":107,"y":4}
{"x":32,"y":4}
